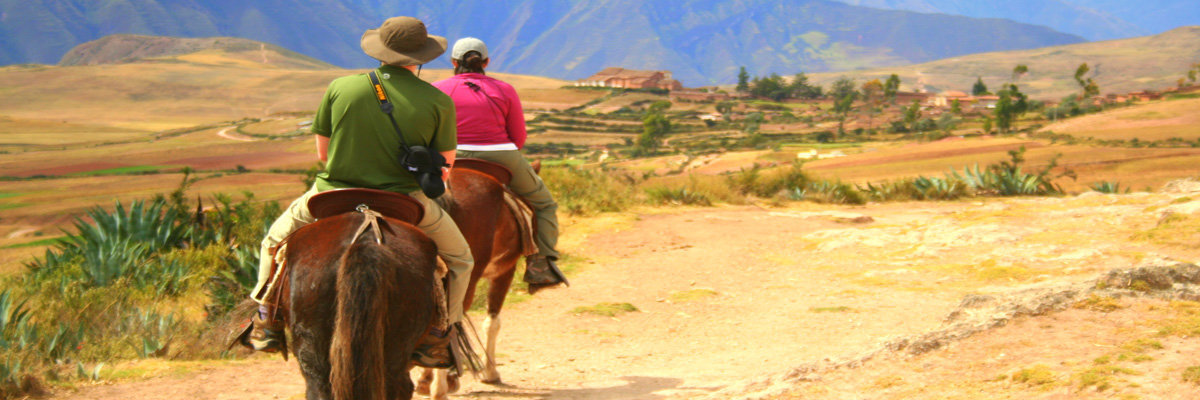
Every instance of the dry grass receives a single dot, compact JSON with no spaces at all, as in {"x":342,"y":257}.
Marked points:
{"x":1132,"y":167}
{"x":1160,"y":120}
{"x":1150,"y":62}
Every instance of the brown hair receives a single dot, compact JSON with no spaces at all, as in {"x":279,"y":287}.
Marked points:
{"x":472,"y":62}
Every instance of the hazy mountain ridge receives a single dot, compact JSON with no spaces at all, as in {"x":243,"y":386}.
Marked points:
{"x":1118,"y":66}
{"x":117,"y":49}
{"x":703,"y":41}
{"x":1092,"y":19}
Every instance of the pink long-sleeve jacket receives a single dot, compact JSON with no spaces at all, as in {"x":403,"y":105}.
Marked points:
{"x":489,"y":111}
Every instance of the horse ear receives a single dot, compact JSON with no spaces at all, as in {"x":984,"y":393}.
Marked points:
{"x":537,"y":166}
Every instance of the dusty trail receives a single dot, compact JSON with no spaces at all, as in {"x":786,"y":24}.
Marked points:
{"x":224,"y":133}
{"x":725,"y":295}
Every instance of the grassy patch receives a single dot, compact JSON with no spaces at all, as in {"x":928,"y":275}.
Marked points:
{"x":562,"y":162}
{"x":605,"y":309}
{"x":1173,"y":230}
{"x":993,"y":273}
{"x":1185,"y":323}
{"x":889,"y":381}
{"x":36,"y":243}
{"x":1101,"y":376}
{"x":834,"y":309}
{"x":12,"y":206}
{"x":133,"y":169}
{"x":1099,"y":303}
{"x":1037,"y":375}
{"x":4,"y":195}
{"x":693,"y":294}
{"x":1192,"y":375}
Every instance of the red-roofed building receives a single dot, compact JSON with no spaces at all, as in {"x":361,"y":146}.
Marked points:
{"x":631,"y":79}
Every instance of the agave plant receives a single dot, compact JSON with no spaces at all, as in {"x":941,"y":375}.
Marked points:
{"x":1108,"y":187}
{"x":666,"y":195}
{"x":155,"y":226}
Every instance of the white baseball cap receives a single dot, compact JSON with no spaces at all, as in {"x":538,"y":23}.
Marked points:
{"x":468,"y":44}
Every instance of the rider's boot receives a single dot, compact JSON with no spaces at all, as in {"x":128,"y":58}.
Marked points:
{"x":433,"y":349}
{"x":541,"y":272}
{"x":264,"y":334}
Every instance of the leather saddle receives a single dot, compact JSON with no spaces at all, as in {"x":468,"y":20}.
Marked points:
{"x":390,"y":204}
{"x":494,"y":170}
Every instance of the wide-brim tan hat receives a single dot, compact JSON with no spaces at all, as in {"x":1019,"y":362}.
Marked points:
{"x":402,"y":41}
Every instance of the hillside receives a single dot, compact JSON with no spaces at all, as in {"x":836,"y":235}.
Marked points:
{"x":1118,"y":66}
{"x":1092,"y":19}
{"x":125,"y":87}
{"x":703,"y":41}
{"x":1146,"y":122}
{"x":121,"y":49}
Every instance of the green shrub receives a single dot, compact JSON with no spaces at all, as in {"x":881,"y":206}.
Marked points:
{"x":583,"y":191}
{"x":1006,"y":178}
{"x":828,"y":192}
{"x":1108,"y":187}
{"x":679,"y":196}
{"x":101,"y":291}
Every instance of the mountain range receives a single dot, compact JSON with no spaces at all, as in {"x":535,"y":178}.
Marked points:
{"x":1092,"y":19}
{"x":1118,"y":66}
{"x":701,"y":41}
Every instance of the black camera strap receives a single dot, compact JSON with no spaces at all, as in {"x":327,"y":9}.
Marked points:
{"x":387,"y":107}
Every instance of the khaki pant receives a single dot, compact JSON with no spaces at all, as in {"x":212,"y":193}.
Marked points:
{"x":436,"y":224}
{"x":526,"y":183}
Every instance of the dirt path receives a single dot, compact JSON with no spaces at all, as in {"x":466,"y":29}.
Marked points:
{"x":733,"y":294}
{"x":224,"y":133}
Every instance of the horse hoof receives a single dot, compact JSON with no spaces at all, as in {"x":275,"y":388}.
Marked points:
{"x":491,"y":381}
{"x":452,"y":384}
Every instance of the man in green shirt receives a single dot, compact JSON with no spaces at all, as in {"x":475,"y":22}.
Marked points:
{"x":361,"y":149}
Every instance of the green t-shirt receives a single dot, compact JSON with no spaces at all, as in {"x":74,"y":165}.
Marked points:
{"x":364,"y":150}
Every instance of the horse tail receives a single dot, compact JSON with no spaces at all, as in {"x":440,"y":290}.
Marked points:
{"x":356,"y":354}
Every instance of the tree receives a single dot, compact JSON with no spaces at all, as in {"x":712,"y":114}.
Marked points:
{"x":1009,"y":107}
{"x":725,"y":108}
{"x":841,"y":88}
{"x":770,"y":87}
{"x":891,"y":87}
{"x":1019,"y":71}
{"x":801,"y":89}
{"x":956,"y":107}
{"x":912,"y":114}
{"x":743,"y":77}
{"x":873,"y":95}
{"x":979,"y":89}
{"x":1090,"y":88}
{"x":655,"y":126}
{"x":843,"y":93}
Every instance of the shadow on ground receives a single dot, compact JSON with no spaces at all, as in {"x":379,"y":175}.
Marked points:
{"x":635,"y":388}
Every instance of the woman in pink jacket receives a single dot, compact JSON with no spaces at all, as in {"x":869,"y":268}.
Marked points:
{"x":491,"y":126}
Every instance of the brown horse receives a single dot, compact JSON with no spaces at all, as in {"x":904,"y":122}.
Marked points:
{"x":358,"y":300}
{"x":476,"y":201}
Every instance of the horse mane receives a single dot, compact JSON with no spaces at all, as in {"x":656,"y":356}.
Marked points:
{"x":357,"y":351}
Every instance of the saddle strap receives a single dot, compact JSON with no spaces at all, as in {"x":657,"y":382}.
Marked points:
{"x":370,"y":220}
{"x":526,"y":222}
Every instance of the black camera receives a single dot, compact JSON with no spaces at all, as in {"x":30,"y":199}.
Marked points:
{"x":425,"y":165}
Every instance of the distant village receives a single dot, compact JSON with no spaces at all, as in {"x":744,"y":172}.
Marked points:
{"x":615,"y":77}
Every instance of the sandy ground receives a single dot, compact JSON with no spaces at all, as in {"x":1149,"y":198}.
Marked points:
{"x":733,"y":295}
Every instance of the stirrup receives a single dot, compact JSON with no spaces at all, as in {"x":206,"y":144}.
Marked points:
{"x":543,"y":270}
{"x":433,"y":350}
{"x":263,"y":336}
